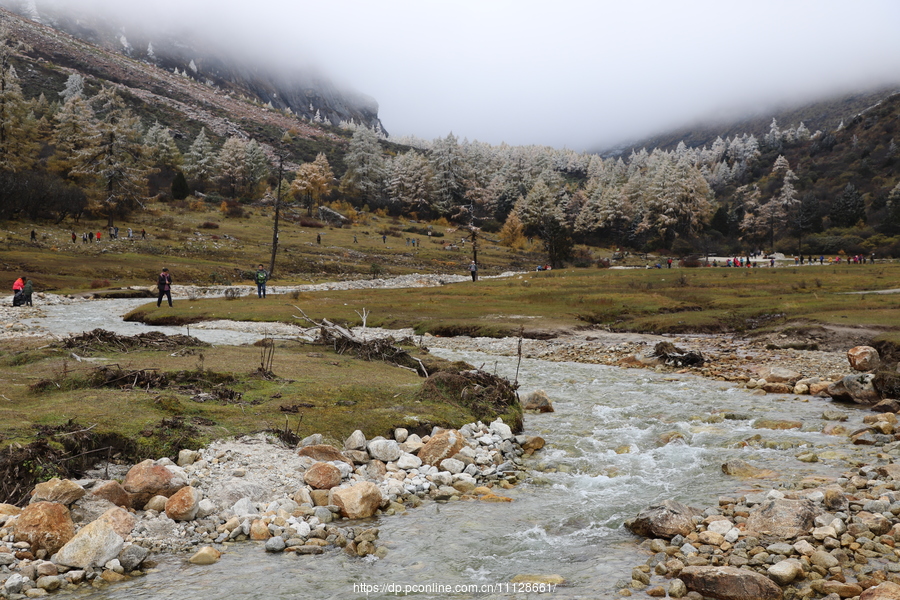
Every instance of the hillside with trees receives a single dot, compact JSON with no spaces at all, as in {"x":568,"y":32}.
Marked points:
{"x":87,"y":131}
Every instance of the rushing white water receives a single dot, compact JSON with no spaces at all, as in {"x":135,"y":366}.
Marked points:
{"x":605,"y":460}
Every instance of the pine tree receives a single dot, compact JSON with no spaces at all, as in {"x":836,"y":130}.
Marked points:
{"x":180,"y":188}
{"x":449,"y":174}
{"x":366,"y":172}
{"x":160,"y":147}
{"x":231,"y":165}
{"x":115,"y":158}
{"x":74,"y":87}
{"x":18,"y":128}
{"x":200,"y":160}
{"x":257,"y":166}
{"x":313,"y":182}
{"x":75,"y":132}
{"x":541,"y":214}
{"x":849,"y":209}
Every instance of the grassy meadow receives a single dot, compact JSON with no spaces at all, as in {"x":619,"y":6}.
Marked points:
{"x":701,"y":300}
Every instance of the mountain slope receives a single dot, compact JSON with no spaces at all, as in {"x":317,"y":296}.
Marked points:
{"x":301,"y":91}
{"x":824,"y":114}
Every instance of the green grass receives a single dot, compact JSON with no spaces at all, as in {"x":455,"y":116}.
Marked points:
{"x":344,"y":393}
{"x":225,"y":254}
{"x":667,"y":301}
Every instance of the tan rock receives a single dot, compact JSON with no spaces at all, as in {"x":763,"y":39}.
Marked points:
{"x":863,"y":358}
{"x":322,"y":476}
{"x":206,"y":555}
{"x":95,"y":545}
{"x":357,"y":501}
{"x":532,"y":444}
{"x":114,"y":492}
{"x":538,"y":401}
{"x":45,"y":525}
{"x":744,"y":470}
{"x":664,"y":520}
{"x":883,"y":591}
{"x":819,"y":389}
{"x":783,"y":518}
{"x":441,"y":445}
{"x":323,"y":453}
{"x":120,"y":519}
{"x":730,"y":583}
{"x":184,"y":504}
{"x":778,"y":424}
{"x":259,"y":530}
{"x":147,"y":479}
{"x":494,"y":498}
{"x":320,"y":497}
{"x":711,"y":537}
{"x":64,"y":491}
{"x":9,"y":509}
{"x":112,"y":576}
{"x":157,"y":503}
{"x":777,"y":374}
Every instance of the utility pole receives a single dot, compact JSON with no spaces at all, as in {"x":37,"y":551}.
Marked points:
{"x":277,"y":211}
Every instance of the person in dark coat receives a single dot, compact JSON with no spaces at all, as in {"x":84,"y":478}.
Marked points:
{"x":164,"y":283}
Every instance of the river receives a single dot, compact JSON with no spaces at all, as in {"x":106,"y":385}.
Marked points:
{"x":605,"y":460}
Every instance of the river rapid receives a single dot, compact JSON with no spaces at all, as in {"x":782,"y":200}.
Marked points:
{"x":606,"y":459}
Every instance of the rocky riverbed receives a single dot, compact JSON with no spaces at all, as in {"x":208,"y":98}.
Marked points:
{"x":302,"y":500}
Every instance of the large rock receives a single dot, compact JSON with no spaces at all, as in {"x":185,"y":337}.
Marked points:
{"x":783,"y":518}
{"x":322,"y":476}
{"x":883,"y":591}
{"x":744,"y":470}
{"x":384,"y":450}
{"x":120,"y":520}
{"x":357,"y":501}
{"x":45,"y":525}
{"x":184,"y":504}
{"x":441,"y":445}
{"x":730,"y":583}
{"x":147,"y":479}
{"x":785,"y":571}
{"x":132,"y":556}
{"x":855,"y":388}
{"x":64,"y":491}
{"x":664,"y":520}
{"x":206,"y":555}
{"x":863,"y":358}
{"x":356,"y":441}
{"x":95,"y":545}
{"x":538,"y":401}
{"x":114,"y":492}
{"x":323,"y":453}
{"x":777,"y":374}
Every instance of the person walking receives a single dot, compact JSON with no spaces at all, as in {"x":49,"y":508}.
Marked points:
{"x":164,"y":283}
{"x":318,"y":238}
{"x":473,"y":269}
{"x":33,"y":236}
{"x":143,"y":234}
{"x":97,"y":236}
{"x":74,"y":237}
{"x":27,"y":291}
{"x":262,"y":276}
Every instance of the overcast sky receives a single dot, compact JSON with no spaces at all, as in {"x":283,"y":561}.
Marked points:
{"x":575,"y":73}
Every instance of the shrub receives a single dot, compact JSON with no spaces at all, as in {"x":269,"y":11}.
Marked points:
{"x":209,"y":225}
{"x":310,"y":222}
{"x":231,"y":208}
{"x":99,"y":283}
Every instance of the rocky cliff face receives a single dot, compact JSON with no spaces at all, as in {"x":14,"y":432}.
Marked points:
{"x":302,"y":90}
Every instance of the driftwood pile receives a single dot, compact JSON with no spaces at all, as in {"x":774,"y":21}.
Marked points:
{"x":677,"y":357}
{"x":344,"y":342}
{"x":102,"y":341}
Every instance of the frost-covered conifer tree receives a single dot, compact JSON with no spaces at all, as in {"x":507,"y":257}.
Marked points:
{"x":365,"y":174}
{"x":200,"y":160}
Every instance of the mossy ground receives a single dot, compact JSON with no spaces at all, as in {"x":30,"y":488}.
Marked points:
{"x":323,"y":392}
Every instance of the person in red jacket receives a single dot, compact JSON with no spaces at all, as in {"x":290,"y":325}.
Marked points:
{"x":18,"y":297}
